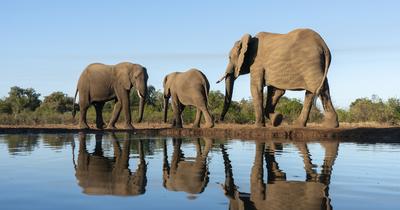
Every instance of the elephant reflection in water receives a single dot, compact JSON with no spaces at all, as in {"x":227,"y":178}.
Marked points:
{"x":186,"y":174}
{"x":100,"y":175}
{"x":279,"y":193}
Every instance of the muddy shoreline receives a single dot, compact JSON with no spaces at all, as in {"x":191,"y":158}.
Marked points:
{"x":349,"y":134}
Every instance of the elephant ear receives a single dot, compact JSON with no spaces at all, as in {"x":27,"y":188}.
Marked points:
{"x":244,"y":45}
{"x":123,"y":76}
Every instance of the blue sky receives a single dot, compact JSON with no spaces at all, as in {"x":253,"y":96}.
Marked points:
{"x":46,"y":44}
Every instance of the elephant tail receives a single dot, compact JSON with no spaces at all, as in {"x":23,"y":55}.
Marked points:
{"x":73,"y":104}
{"x":327,"y":62}
{"x":206,"y":88}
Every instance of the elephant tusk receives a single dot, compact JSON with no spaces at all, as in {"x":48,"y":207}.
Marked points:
{"x":222,"y":78}
{"x":140,"y":96}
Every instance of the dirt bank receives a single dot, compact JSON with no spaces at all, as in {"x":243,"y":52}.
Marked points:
{"x":228,"y":131}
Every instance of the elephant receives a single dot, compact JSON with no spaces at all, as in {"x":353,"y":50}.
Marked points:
{"x":100,"y":83}
{"x":278,"y":192}
{"x":187,"y":88}
{"x":298,"y":60}
{"x":100,"y":175}
{"x":184,"y":174}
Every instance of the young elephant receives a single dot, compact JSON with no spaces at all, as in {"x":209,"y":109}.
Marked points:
{"x":187,"y":88}
{"x":100,"y":83}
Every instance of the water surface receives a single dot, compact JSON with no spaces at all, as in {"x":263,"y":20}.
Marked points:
{"x":122,"y":171}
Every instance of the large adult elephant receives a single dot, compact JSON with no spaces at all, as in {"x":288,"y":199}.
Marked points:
{"x":298,"y":60}
{"x":100,"y":83}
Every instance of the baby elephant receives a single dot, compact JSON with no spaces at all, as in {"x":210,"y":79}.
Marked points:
{"x":187,"y":88}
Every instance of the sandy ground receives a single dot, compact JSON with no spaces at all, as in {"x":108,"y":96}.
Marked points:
{"x":346,"y":132}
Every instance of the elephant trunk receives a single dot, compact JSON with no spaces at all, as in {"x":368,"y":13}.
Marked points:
{"x":229,"y":82}
{"x":141,"y":108}
{"x":165,"y":108}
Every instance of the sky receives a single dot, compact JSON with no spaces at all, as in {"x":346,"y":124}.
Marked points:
{"x":47,"y":44}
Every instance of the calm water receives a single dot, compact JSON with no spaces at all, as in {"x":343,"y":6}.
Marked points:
{"x":88,"y":171}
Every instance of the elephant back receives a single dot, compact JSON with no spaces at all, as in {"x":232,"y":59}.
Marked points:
{"x":293,"y":61}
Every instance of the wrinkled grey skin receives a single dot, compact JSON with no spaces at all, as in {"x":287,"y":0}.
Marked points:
{"x":278,"y":192}
{"x":187,"y":88}
{"x":186,"y":174}
{"x":100,"y":83}
{"x":298,"y":60}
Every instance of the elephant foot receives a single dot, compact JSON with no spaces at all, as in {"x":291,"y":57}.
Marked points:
{"x":100,"y":125}
{"x":299,"y":123}
{"x":195,"y":125}
{"x":111,"y":127}
{"x":259,"y":125}
{"x":276,"y":119}
{"x":83,"y":126}
{"x":177,"y":125}
{"x":329,"y":123}
{"x":330,"y":120}
{"x":128,"y":126}
{"x":209,"y":125}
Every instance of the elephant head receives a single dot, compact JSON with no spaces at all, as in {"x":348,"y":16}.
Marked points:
{"x":135,"y":75}
{"x":167,"y":83}
{"x":236,"y":66}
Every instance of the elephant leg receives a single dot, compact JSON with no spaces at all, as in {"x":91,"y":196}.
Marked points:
{"x":273,"y":96}
{"x":176,"y":108}
{"x":207,"y":115}
{"x":196,"y":123}
{"x":115,"y":115}
{"x":181,"y":109}
{"x":99,"y":115}
{"x":330,"y":116}
{"x":257,"y":185}
{"x":83,"y":106}
{"x":274,"y":173}
{"x":331,"y":152}
{"x":305,"y":112}
{"x":124,"y":98}
{"x":311,"y":174}
{"x":257,"y":87}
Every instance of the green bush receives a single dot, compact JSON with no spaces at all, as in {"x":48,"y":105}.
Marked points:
{"x":23,"y":107}
{"x":57,"y":102}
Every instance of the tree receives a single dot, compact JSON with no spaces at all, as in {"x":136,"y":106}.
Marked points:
{"x":393,"y":107}
{"x":290,"y":108}
{"x":23,"y":99}
{"x":215,"y":103}
{"x":343,"y":115}
{"x":155,"y":98}
{"x":5,"y":107}
{"x":58,"y":102}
